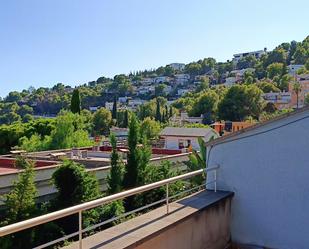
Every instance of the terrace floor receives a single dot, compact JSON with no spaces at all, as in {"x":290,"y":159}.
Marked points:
{"x":134,"y":232}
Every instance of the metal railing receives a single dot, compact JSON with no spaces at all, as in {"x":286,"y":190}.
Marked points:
{"x":19,"y":226}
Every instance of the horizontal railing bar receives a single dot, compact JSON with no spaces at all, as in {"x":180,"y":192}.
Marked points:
{"x":19,"y":226}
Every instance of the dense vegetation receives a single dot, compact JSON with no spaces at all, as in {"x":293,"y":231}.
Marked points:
{"x":75,"y":185}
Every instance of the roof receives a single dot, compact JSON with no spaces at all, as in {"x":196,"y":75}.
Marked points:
{"x":186,"y":132}
{"x":232,"y":135}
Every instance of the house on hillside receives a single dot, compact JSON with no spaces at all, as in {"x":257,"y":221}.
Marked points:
{"x":178,"y":66}
{"x":293,"y":68}
{"x":257,"y":54}
{"x":281,"y":100}
{"x":181,"y":79}
{"x":266,"y":166}
{"x":185,"y":138}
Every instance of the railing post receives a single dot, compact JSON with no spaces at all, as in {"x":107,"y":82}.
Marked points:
{"x":167,"y":200}
{"x":80,"y":229}
{"x":215,"y":180}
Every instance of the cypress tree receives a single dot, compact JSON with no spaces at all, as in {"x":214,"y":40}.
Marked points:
{"x":166,"y":113}
{"x":115,"y":177}
{"x":114,"y":112}
{"x":163,"y":119}
{"x":126,"y":119}
{"x":171,"y":112}
{"x":130,"y":177}
{"x":75,"y":101}
{"x":158,"y":112}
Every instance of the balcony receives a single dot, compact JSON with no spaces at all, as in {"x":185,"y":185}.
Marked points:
{"x":198,"y":220}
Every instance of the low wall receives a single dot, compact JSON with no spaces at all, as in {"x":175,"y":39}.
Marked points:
{"x":199,"y":221}
{"x":208,"y":228}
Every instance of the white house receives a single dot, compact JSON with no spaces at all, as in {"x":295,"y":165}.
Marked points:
{"x":93,"y":108}
{"x":161,"y":79}
{"x":182,"y":138}
{"x":292,"y":69}
{"x":177,"y":66}
{"x":184,"y":118}
{"x":134,"y":103}
{"x":181,"y":78}
{"x":109,"y":105}
{"x":147,"y":81}
{"x":182,"y":92}
{"x":281,"y":100}
{"x":266,"y":166}
{"x":257,"y":54}
{"x":123,"y":100}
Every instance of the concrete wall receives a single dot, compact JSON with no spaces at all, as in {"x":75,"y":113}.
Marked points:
{"x":269,"y":175}
{"x":208,"y":228}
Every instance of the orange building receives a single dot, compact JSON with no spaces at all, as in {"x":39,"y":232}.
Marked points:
{"x":228,"y":126}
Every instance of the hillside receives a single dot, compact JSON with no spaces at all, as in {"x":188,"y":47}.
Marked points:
{"x":171,"y":81}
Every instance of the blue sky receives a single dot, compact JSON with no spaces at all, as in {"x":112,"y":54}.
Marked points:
{"x":50,"y":41}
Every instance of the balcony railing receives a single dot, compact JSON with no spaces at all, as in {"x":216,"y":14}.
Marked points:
{"x":78,"y":209}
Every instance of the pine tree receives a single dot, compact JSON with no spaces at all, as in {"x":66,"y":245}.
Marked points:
{"x":114,"y":112}
{"x":158,"y":112}
{"x":75,"y":101}
{"x":115,"y":177}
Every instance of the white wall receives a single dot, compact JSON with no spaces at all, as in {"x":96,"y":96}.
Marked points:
{"x":269,"y":174}
{"x":172,"y":142}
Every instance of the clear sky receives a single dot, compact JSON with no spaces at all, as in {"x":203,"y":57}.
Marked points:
{"x":75,"y":41}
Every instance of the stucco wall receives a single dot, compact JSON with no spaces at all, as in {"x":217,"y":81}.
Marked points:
{"x":269,"y":174}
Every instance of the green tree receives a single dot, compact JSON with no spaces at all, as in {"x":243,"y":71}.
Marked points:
{"x":275,"y":69}
{"x":150,"y":128}
{"x":240,"y":101}
{"x":297,"y":90}
{"x":283,"y":83}
{"x":115,"y":178}
{"x":75,"y":102}
{"x":159,"y":90}
{"x":126,"y":119}
{"x":102,"y":121}
{"x":306,"y":101}
{"x":267,"y":87}
{"x":204,"y":85}
{"x":130,"y":177}
{"x":197,"y":160}
{"x":206,"y":103}
{"x":193,"y":68}
{"x":20,"y":203}
{"x":114,"y":112}
{"x":158,"y":111}
{"x":74,"y":186}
